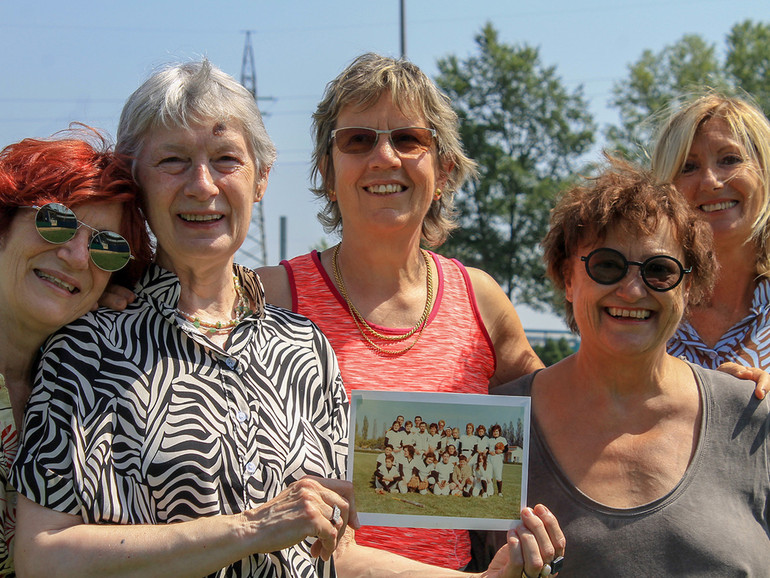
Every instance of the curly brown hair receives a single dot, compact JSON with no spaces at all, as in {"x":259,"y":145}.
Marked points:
{"x":629,"y":197}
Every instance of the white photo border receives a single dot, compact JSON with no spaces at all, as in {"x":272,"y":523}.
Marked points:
{"x":418,"y":403}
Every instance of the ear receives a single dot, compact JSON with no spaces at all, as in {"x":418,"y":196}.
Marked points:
{"x":259,"y":190}
{"x":443,"y":174}
{"x":323,"y":166}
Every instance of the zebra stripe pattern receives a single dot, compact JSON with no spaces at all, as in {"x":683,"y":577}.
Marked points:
{"x":135,"y":420}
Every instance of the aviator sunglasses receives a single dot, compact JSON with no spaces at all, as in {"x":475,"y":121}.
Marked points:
{"x":407,"y":141}
{"x":659,"y":273}
{"x":57,"y":224}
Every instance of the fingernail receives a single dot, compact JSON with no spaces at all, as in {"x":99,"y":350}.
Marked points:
{"x":527,"y":513}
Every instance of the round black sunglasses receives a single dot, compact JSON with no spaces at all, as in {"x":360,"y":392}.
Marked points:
{"x":660,"y":273}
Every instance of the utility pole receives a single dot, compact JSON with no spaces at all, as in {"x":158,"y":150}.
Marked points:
{"x":257,"y":248}
{"x":403,"y":28}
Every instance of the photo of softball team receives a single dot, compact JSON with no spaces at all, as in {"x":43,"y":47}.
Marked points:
{"x":438,"y":455}
{"x":442,"y":463}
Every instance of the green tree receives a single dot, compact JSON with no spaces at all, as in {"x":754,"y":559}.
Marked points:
{"x":553,"y":350}
{"x":748,"y":60}
{"x":518,"y":439}
{"x":691,"y":64}
{"x":653,"y":81}
{"x":527,"y":132}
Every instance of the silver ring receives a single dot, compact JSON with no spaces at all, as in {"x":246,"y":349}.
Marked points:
{"x":336,"y":515}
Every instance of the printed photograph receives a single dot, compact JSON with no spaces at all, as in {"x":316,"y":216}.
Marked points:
{"x":439,"y":460}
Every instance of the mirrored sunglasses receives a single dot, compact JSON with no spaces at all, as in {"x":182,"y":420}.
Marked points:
{"x":659,"y":273}
{"x":57,"y":224}
{"x":407,"y":141}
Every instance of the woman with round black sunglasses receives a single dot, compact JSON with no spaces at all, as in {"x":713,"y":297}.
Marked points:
{"x":654,"y":466}
{"x":51,"y":273}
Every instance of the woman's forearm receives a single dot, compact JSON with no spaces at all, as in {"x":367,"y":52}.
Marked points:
{"x":193,"y":549}
{"x":51,"y":543}
{"x":354,"y":561}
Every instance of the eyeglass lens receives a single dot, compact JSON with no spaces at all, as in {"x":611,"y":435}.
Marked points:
{"x":57,"y":224}
{"x":659,"y":273}
{"x":361,"y":140}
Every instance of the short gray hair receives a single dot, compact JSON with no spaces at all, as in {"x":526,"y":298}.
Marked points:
{"x":181,"y":95}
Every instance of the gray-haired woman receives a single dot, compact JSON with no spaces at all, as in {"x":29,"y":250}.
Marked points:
{"x":173,"y":438}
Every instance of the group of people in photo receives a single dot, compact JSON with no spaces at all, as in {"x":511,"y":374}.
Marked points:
{"x":165,"y":411}
{"x":434,"y":458}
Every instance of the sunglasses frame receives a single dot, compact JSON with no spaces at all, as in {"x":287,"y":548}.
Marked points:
{"x":377,"y":133}
{"x":94,"y":234}
{"x":641,"y":264}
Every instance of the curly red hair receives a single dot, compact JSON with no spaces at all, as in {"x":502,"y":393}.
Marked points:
{"x":73,"y":168}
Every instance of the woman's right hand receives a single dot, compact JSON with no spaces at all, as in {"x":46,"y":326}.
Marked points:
{"x":304,"y":510}
{"x":755,"y":374}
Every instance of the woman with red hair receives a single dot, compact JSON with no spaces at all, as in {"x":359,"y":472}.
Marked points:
{"x":55,"y":264}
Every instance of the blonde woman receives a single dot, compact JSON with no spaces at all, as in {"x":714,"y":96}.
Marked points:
{"x":716,"y":151}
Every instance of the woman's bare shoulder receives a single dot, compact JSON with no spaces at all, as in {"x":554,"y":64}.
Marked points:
{"x":275,"y":280}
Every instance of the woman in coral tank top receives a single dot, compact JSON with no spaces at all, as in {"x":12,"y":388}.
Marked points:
{"x":386,"y":163}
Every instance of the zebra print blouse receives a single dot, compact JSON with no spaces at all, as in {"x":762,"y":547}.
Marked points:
{"x":746,"y":343}
{"x":136,"y":420}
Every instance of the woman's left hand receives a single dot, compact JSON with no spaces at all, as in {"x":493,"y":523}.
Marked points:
{"x":532,"y":545}
{"x":761,"y":378}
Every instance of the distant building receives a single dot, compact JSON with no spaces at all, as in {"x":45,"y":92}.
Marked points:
{"x":514,"y":455}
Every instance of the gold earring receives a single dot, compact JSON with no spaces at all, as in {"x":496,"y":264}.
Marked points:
{"x":332,"y":196}
{"x":437,"y":194}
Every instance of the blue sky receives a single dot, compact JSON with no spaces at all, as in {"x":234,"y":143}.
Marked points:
{"x":79,"y":60}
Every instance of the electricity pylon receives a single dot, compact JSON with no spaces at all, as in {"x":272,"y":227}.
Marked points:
{"x":255,"y":247}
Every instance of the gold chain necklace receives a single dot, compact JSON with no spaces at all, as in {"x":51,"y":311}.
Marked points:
{"x":364,"y":327}
{"x":242,"y":309}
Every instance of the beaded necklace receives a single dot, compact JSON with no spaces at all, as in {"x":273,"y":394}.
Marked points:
{"x":364,"y":328}
{"x":242,"y":310}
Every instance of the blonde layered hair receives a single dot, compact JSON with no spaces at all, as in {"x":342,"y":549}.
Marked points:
{"x":749,"y":127}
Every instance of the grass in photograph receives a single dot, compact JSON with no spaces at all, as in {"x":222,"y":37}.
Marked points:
{"x":415,"y":504}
